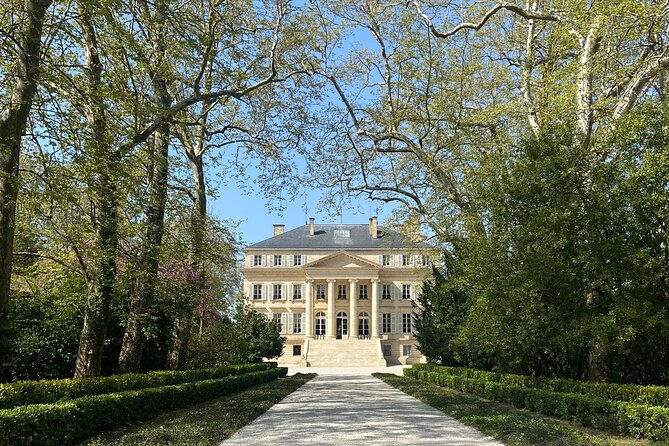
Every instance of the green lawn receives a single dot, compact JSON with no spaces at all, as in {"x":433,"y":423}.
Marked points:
{"x":503,"y":422}
{"x":205,"y":424}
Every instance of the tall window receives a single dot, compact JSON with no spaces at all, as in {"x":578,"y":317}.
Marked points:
{"x":320,"y":324}
{"x":386,"y":291}
{"x":257,"y":292}
{"x":406,"y":291}
{"x":342,"y":292}
{"x":385,"y":260}
{"x":277,"y":260}
{"x":406,"y":323}
{"x":362,"y":291}
{"x":276,"y":318}
{"x":406,"y":260}
{"x":424,"y":260}
{"x":297,"y":323}
{"x":320,"y":292}
{"x":297,"y":292}
{"x":276,"y":294}
{"x":385,"y":323}
{"x":257,"y":260}
{"x":297,"y":260}
{"x":363,"y":324}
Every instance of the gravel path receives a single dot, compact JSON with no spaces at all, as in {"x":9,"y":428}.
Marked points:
{"x":355,"y":410}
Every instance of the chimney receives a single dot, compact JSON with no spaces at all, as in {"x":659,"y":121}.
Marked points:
{"x":278,"y":229}
{"x":373,"y":227}
{"x":311,"y":226}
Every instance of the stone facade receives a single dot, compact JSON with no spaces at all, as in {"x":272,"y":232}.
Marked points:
{"x":342,"y":294}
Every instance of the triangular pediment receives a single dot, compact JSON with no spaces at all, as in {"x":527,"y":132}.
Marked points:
{"x":341,"y":259}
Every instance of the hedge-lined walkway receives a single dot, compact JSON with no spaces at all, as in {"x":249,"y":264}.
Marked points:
{"x":355,"y":410}
{"x":206,"y":424}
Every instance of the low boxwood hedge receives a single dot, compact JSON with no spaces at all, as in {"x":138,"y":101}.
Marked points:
{"x":73,"y":420}
{"x":638,"y":420}
{"x":50,"y":391}
{"x":651,"y":395}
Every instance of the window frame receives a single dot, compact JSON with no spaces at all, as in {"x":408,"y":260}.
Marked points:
{"x":256,"y":292}
{"x":406,"y":292}
{"x":320,"y":287}
{"x":361,"y":295}
{"x":297,"y":323}
{"x":386,"y":318}
{"x":341,"y":292}
{"x":275,"y":288}
{"x":278,"y":260}
{"x":406,"y":347}
{"x":257,"y":260}
{"x":386,"y":260}
{"x":297,"y":260}
{"x":297,"y":291}
{"x":388,"y":287}
{"x":407,"y":318}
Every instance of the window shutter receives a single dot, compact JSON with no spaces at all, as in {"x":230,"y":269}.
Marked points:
{"x":289,"y":324}
{"x":393,"y":322}
{"x":392,"y":260}
{"x":283,"y":260}
{"x":303,"y":291}
{"x":381,"y":323}
{"x":380,"y":260}
{"x":302,"y":316}
{"x":263,"y":260}
{"x":413,"y":292}
{"x":304,"y":260}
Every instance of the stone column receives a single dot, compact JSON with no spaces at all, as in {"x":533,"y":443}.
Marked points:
{"x":308,"y":310}
{"x":375,"y":309}
{"x":331,"y":327}
{"x":353,"y":312}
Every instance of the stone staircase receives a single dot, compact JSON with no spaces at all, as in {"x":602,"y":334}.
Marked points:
{"x":345,"y":353}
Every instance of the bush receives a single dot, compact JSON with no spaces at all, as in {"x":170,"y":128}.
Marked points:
{"x":74,"y":420}
{"x":638,"y":420}
{"x":51,"y":391}
{"x":650,"y":395}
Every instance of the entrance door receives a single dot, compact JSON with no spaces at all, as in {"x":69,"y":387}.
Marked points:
{"x":342,"y":325}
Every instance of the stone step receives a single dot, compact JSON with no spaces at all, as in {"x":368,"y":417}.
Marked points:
{"x":344,"y":352}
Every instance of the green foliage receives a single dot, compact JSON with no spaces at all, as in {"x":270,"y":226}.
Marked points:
{"x":440,"y":308}
{"x":250,"y":338}
{"x":72,"y":420}
{"x":40,"y":337}
{"x":50,"y":391}
{"x":639,"y":420}
{"x":650,"y":395}
{"x":209,"y":423}
{"x":512,"y":427}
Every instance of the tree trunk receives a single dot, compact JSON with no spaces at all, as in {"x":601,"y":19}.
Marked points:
{"x":133,"y":339}
{"x":12,"y":126}
{"x":96,"y":318}
{"x":181,"y":330}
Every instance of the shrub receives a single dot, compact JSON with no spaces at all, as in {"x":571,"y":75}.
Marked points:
{"x":73,"y":420}
{"x":638,"y":420}
{"x":650,"y":395}
{"x":51,"y":391}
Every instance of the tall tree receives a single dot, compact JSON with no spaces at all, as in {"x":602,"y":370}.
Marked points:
{"x":24,"y":75}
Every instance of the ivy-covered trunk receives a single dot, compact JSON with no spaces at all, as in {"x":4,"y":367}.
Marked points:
{"x":12,"y":126}
{"x":101,"y":286}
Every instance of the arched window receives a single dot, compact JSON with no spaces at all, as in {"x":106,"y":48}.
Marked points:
{"x":342,"y":325}
{"x":320,"y":324}
{"x":363,"y":325}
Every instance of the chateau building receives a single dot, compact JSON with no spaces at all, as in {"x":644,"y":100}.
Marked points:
{"x":342,"y":295}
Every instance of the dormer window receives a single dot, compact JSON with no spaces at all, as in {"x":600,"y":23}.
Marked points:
{"x":342,"y":233}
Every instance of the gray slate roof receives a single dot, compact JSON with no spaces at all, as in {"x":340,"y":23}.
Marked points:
{"x":324,"y":238}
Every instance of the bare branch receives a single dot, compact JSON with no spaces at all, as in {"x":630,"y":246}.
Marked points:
{"x":529,"y":15}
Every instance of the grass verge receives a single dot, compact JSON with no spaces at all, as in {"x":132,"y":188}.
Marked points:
{"x":206,"y":424}
{"x":503,"y":422}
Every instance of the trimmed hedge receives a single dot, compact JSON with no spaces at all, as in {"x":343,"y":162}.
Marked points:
{"x":638,"y":420}
{"x":651,"y":395}
{"x":51,"y":391}
{"x":74,"y":420}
